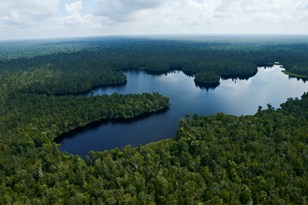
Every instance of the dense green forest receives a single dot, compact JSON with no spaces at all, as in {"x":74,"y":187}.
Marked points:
{"x":216,"y":159}
{"x":207,"y":79}
{"x":226,"y":58}
{"x":219,"y":159}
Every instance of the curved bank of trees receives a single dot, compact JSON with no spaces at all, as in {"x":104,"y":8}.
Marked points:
{"x":92,"y":60}
{"x":220,"y":159}
{"x":213,"y":160}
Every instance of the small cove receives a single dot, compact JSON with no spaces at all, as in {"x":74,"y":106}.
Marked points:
{"x":232,"y":96}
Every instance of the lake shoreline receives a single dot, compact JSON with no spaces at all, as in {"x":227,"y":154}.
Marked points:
{"x":84,"y":92}
{"x":233,"y":96}
{"x":98,"y":123}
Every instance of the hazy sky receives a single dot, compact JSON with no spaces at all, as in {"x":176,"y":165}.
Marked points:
{"x":70,"y":18}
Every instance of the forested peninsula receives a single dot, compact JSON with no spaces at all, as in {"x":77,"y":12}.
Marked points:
{"x":219,"y":159}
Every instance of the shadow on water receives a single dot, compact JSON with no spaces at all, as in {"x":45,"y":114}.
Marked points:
{"x":299,"y":78}
{"x":96,"y":124}
{"x":239,"y":77}
{"x":207,"y":86}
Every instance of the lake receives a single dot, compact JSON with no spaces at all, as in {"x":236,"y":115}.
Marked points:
{"x":233,"y":96}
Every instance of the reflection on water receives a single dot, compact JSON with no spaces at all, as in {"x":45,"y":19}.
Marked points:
{"x":232,"y":96}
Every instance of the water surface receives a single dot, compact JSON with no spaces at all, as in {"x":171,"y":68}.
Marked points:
{"x":232,"y":96}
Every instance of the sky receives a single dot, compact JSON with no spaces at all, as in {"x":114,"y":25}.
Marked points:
{"x":24,"y":19}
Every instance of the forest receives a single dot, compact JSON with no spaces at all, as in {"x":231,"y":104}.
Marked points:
{"x":219,"y":159}
{"x":109,"y":56}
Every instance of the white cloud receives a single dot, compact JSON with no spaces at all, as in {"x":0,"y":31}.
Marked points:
{"x":269,"y":11}
{"x":153,"y":16}
{"x":123,"y":10}
{"x":193,"y":12}
{"x":76,"y":19}
{"x":11,"y":19}
{"x":226,"y":16}
{"x":26,"y":12}
{"x":74,"y":7}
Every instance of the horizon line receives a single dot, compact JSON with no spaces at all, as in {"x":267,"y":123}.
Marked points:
{"x":158,"y":35}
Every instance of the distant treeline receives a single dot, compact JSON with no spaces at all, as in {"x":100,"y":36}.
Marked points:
{"x":92,"y":61}
{"x":220,"y":159}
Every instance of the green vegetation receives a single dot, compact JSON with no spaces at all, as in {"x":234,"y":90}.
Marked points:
{"x":207,"y":79}
{"x":56,"y":115}
{"x":42,"y":78}
{"x":216,"y":159}
{"x":30,"y":161}
{"x":304,"y":77}
{"x":91,"y":58}
{"x":220,"y":159}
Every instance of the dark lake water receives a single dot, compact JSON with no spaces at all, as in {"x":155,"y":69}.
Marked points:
{"x":232,"y":96}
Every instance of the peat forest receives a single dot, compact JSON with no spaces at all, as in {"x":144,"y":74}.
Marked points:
{"x":219,"y":159}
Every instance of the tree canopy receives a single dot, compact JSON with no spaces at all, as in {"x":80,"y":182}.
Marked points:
{"x":219,"y":159}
